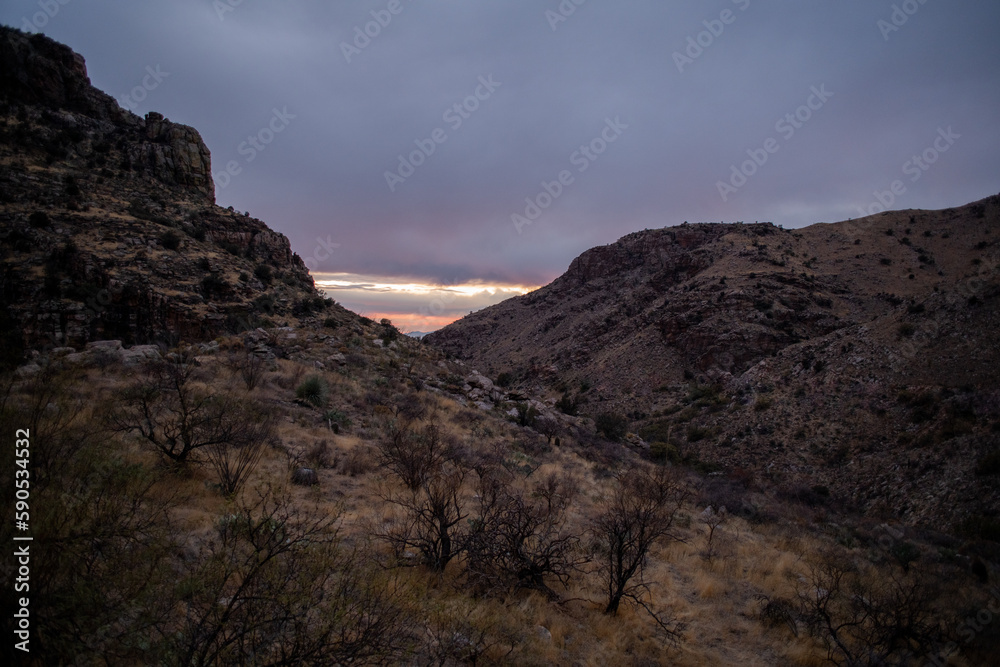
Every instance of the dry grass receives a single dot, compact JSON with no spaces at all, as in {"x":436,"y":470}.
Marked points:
{"x":717,"y":599}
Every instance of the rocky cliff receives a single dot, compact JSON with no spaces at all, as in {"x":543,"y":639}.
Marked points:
{"x":108,"y":226}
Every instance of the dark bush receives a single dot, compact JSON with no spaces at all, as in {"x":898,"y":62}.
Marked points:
{"x":39,"y":220}
{"x":612,"y":425}
{"x":989,"y":464}
{"x":212,"y":285}
{"x":314,"y":390}
{"x":264,"y":273}
{"x":568,"y":405}
{"x":170,"y":240}
{"x":305,"y":477}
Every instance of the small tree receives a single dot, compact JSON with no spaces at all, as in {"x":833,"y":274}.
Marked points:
{"x":712,"y":519}
{"x":866,"y":616}
{"x":639,"y":512}
{"x":412,"y":457}
{"x":174,"y":414}
{"x":433,"y":521}
{"x":519,"y":540}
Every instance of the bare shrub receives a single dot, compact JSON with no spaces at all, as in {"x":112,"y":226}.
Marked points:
{"x":411,"y":455}
{"x":712,"y":518}
{"x":102,"y":532}
{"x":865,"y":616}
{"x":250,"y":366}
{"x":433,"y":517}
{"x":358,"y":461}
{"x":519,"y":539}
{"x":235,"y":459}
{"x":274,"y":586}
{"x":639,"y":512}
{"x":176,"y":416}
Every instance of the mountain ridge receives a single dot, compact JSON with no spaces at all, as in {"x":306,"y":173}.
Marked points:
{"x":775,"y":324}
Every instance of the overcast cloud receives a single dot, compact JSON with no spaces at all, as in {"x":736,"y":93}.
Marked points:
{"x":879,"y":96}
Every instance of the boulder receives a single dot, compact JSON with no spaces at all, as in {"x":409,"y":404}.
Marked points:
{"x":139,"y":353}
{"x":476,"y":379}
{"x":28,"y":370}
{"x":104,"y":345}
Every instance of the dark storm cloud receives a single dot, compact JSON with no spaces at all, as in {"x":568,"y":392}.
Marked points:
{"x":322,"y":178}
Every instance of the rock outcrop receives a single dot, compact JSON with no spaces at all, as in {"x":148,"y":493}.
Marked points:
{"x":108,"y":226}
{"x":41,"y":75}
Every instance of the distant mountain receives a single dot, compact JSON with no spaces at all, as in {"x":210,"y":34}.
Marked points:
{"x":859,"y":357}
{"x":108,"y":222}
{"x":417,"y":334}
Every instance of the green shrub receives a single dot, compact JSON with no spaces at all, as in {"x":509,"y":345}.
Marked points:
{"x":526,"y":414}
{"x":314,"y":390}
{"x":337,"y":419}
{"x":389,"y":332}
{"x":612,"y":425}
{"x":664,"y":451}
{"x":264,"y":303}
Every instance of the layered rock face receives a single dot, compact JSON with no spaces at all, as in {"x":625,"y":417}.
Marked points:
{"x":108,"y":226}
{"x":43,"y":74}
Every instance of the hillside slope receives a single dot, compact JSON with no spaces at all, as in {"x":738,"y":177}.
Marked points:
{"x":858,"y":357}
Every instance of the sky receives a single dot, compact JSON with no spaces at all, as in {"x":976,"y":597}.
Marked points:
{"x":429,"y":158}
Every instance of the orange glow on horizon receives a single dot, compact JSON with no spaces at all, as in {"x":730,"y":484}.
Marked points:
{"x":407,"y":322}
{"x":413,"y":305}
